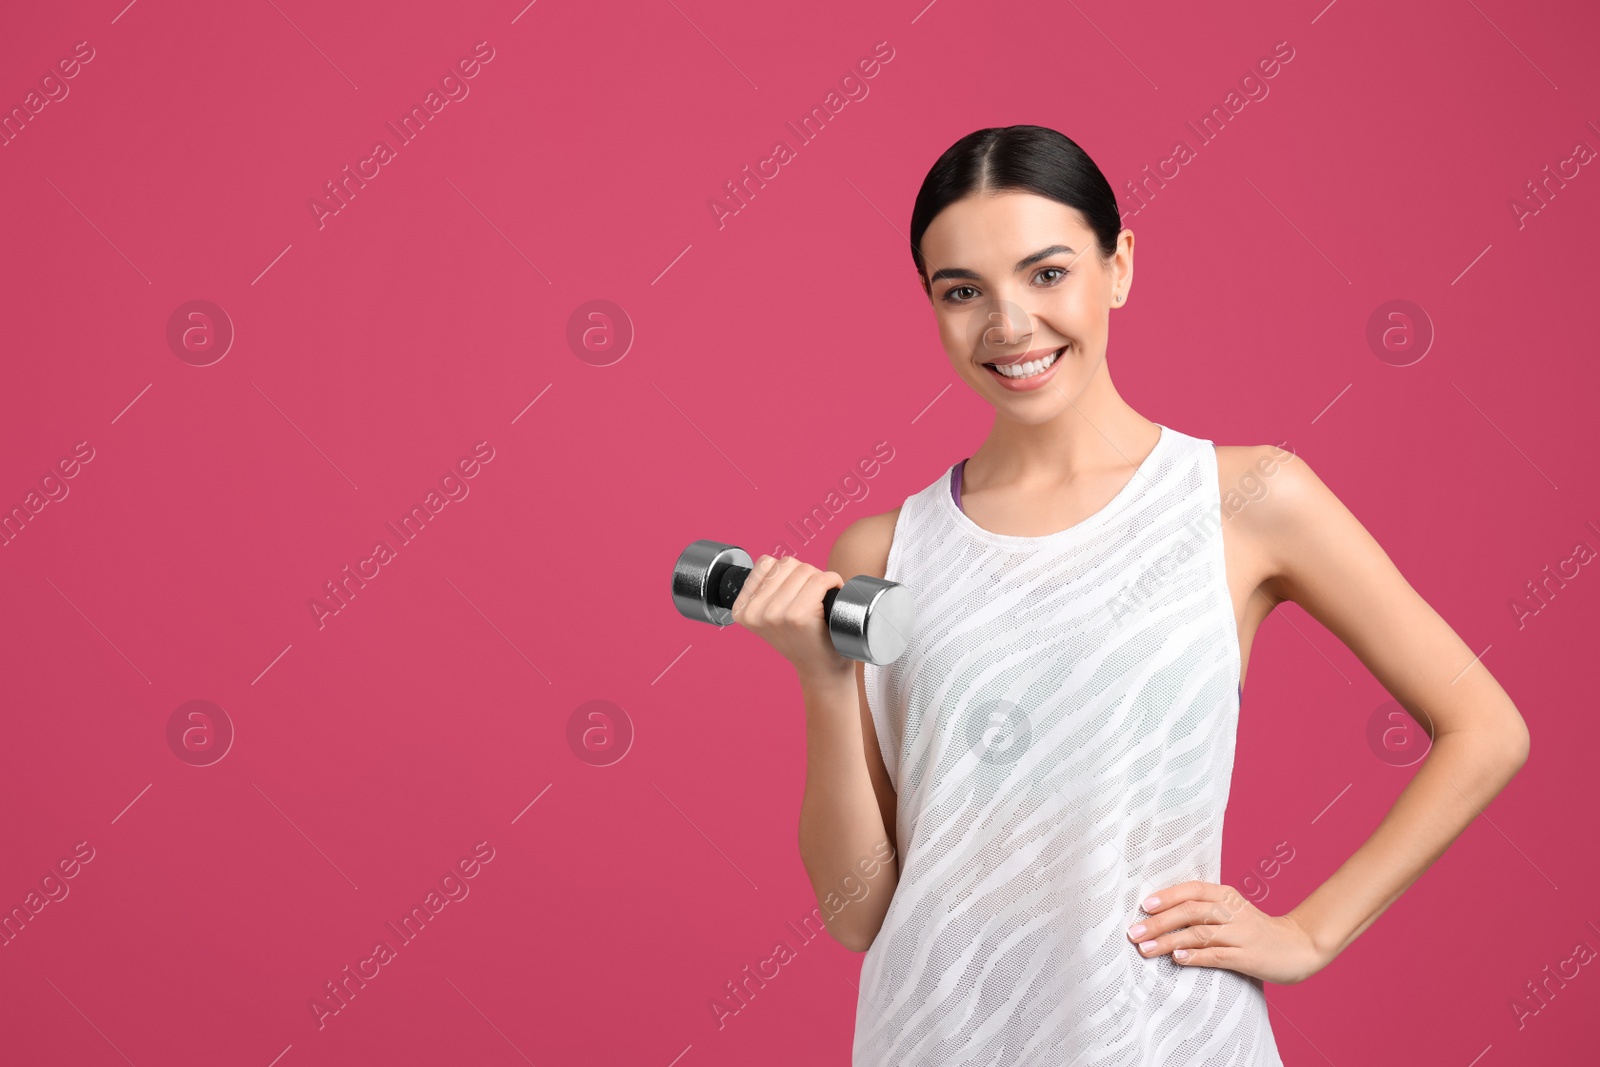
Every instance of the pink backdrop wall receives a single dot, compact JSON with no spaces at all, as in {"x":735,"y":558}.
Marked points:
{"x":425,"y":328}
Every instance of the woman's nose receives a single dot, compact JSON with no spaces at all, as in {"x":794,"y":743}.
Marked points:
{"x":1003,"y":325}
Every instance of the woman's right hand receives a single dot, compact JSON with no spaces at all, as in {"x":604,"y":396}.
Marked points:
{"x":781,"y":602}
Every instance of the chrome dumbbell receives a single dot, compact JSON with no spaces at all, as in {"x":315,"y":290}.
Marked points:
{"x":869,"y":619}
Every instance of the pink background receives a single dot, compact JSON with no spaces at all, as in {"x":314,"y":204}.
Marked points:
{"x":770,"y":355}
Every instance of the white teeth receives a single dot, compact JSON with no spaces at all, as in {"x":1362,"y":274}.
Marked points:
{"x":1028,"y":370}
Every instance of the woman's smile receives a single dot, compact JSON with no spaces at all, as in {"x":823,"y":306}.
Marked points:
{"x":1028,"y":370}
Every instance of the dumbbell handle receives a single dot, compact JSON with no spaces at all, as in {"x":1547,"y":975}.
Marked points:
{"x":733,"y":579}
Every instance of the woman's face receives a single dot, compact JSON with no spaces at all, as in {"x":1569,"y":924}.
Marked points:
{"x":1015,"y":278}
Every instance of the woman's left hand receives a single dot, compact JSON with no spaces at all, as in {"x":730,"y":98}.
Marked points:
{"x":1203,"y":924}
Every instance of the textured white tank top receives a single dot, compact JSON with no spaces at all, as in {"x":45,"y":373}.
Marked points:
{"x":1060,"y":734}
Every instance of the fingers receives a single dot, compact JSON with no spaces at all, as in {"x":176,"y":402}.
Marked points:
{"x":748,"y":593}
{"x":1190,"y":913}
{"x":768,"y":596}
{"x":1189,"y":939}
{"x":777,"y":589}
{"x":1220,"y":956}
{"x":1193,"y":919}
{"x":802,"y":590}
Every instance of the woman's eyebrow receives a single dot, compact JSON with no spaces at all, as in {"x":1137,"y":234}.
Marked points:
{"x":1022,"y":264}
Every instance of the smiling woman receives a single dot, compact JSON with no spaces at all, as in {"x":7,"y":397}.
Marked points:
{"x":1050,"y":761}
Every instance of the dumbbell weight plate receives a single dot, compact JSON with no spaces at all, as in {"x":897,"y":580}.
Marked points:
{"x":871,"y":619}
{"x":697,"y":579}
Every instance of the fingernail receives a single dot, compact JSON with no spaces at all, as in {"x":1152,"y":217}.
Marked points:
{"x":1152,"y":903}
{"x":1148,"y":946}
{"x":1135,"y":931}
{"x":1180,"y":952}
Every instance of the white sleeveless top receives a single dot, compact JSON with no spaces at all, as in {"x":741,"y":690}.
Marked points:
{"x":1060,"y":735}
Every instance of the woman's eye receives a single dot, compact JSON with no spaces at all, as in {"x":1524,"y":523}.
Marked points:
{"x":953,"y":296}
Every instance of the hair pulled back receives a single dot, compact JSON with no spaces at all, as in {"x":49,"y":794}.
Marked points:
{"x":1032,"y":159}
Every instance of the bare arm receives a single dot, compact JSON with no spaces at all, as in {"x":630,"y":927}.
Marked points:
{"x":1323,"y":559}
{"x":847,"y":815}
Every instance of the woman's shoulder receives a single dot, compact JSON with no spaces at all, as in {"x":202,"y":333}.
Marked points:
{"x":1242,"y":465}
{"x":1251,"y":473}
{"x":863,"y":546}
{"x":1274,"y":503}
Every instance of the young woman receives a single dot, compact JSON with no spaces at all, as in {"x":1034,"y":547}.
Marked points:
{"x":1020,"y":819}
